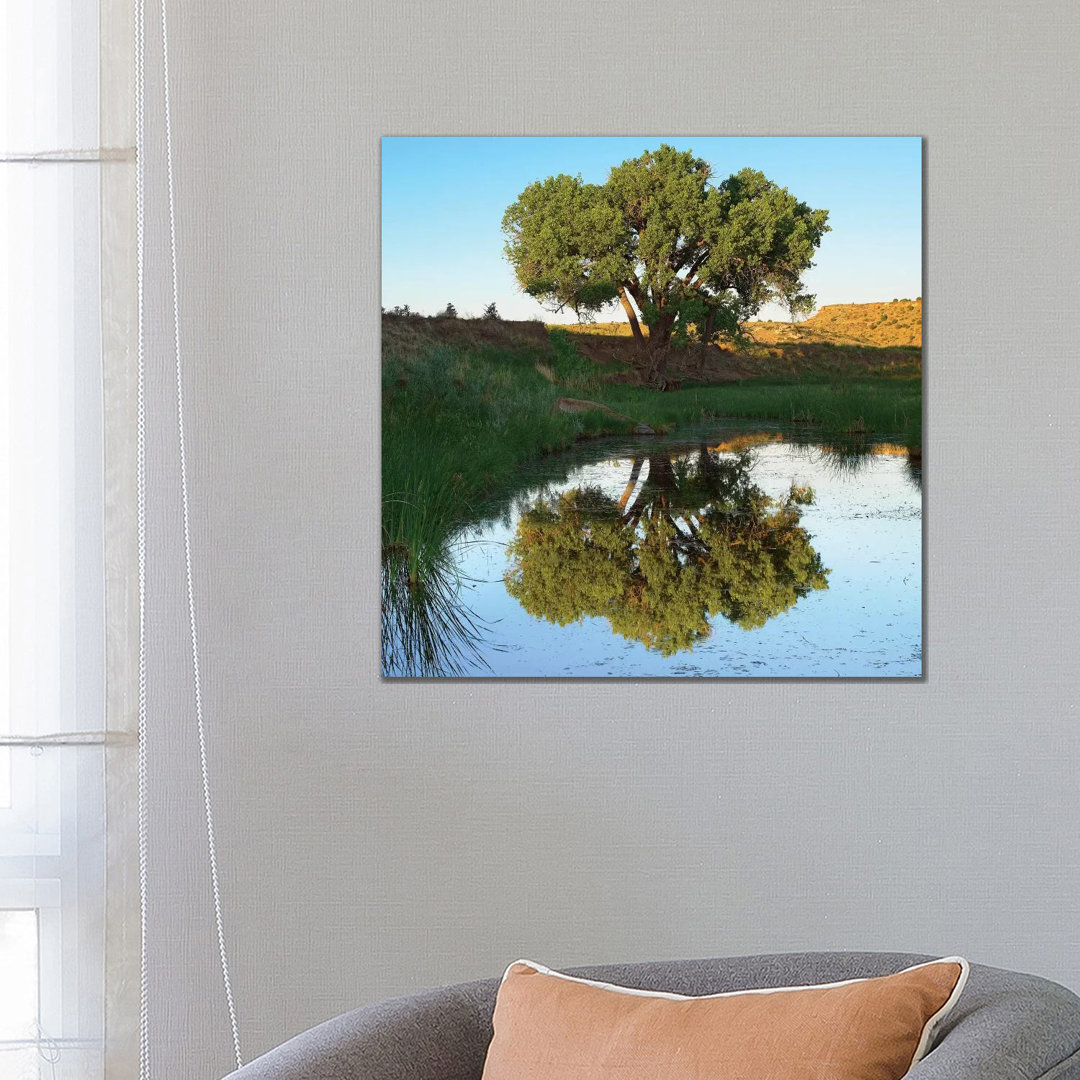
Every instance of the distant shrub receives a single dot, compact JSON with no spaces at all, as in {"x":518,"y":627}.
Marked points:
{"x":399,"y":309}
{"x":448,"y":312}
{"x":491,"y":312}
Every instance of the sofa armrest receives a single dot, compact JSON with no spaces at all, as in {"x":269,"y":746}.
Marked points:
{"x":1007,"y":1026}
{"x":440,"y":1034}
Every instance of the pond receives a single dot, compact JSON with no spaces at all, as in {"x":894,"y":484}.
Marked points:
{"x":731,"y":550}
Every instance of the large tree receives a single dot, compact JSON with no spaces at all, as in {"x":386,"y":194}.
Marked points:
{"x":688,"y":258}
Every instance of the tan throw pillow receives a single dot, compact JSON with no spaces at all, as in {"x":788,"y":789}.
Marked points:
{"x":550,"y":1026}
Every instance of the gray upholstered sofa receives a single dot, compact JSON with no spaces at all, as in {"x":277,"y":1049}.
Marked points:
{"x":1006,"y":1026}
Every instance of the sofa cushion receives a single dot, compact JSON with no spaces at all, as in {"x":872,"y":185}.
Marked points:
{"x":551,"y":1026}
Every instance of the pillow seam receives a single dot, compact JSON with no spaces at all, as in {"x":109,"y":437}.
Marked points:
{"x":633,"y":991}
{"x":933,"y":1024}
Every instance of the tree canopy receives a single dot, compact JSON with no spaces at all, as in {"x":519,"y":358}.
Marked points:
{"x":699,"y":540}
{"x":688,"y":258}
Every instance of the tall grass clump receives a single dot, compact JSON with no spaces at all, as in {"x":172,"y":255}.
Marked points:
{"x":426,"y":628}
{"x":454,"y":423}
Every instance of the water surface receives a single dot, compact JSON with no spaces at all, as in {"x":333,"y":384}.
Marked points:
{"x":733,"y":550}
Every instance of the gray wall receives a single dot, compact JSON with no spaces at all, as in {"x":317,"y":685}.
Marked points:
{"x":379,"y":837}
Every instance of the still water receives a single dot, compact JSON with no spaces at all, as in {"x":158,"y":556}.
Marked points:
{"x":733,"y":550}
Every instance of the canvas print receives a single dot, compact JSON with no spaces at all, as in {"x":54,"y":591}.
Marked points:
{"x":652,"y":407}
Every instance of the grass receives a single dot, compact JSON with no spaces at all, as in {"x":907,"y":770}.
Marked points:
{"x":455,"y":425}
{"x":427,"y":630}
{"x":851,"y":407}
{"x":570,"y":369}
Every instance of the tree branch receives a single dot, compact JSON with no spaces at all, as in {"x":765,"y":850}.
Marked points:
{"x":681,"y":256}
{"x":695,"y":266}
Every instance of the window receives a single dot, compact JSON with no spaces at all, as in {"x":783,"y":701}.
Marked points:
{"x":52,"y":636}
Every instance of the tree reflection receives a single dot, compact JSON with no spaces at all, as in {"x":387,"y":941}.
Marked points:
{"x":698,"y":540}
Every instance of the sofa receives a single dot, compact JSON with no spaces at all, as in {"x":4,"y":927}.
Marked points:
{"x":1006,"y":1026}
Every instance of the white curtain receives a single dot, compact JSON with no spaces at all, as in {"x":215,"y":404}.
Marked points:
{"x":54,"y":197}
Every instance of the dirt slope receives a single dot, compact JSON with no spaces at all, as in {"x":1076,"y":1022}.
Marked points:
{"x":404,"y":334}
{"x":885,"y":324}
{"x":840,"y":337}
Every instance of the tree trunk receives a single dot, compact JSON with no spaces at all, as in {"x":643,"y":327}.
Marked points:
{"x":631,"y":317}
{"x":660,"y":331}
{"x":657,"y":352}
{"x":704,"y":335}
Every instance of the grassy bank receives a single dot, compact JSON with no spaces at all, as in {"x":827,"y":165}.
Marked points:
{"x":852,"y":407}
{"x":458,"y":415}
{"x":466,"y":401}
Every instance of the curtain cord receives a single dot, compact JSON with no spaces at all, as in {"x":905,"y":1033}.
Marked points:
{"x":140,"y":96}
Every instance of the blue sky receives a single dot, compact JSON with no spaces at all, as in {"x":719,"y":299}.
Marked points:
{"x":443,"y":200}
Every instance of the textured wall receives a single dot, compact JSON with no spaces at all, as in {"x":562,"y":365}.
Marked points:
{"x":378,"y":837}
